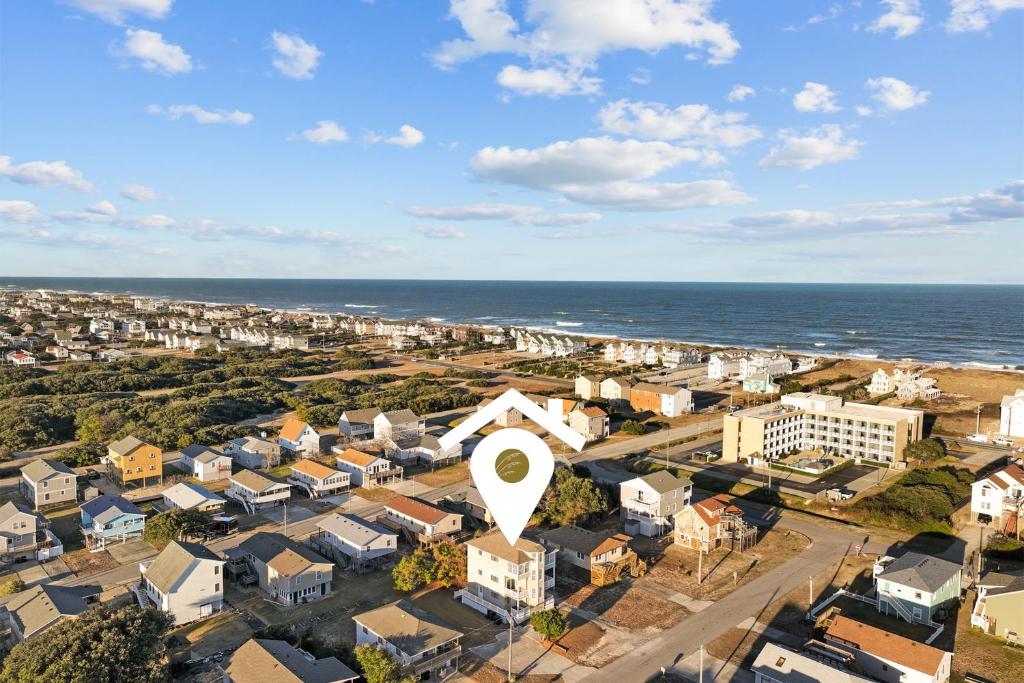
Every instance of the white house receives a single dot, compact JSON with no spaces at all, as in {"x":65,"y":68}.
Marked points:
{"x":507,"y":581}
{"x":777,"y":664}
{"x":424,"y":521}
{"x":186,"y":580}
{"x":591,"y":422}
{"x":318,"y":480}
{"x":425,"y":647}
{"x":889,"y":657}
{"x":366,"y":470}
{"x":357,"y":425}
{"x":427,"y":449}
{"x":364,"y":543}
{"x":299,"y":438}
{"x":650,"y":503}
{"x":205,"y":463}
{"x":1011,"y":414}
{"x":998,"y":499}
{"x":723,"y":364}
{"x":256,"y":491}
{"x":616,"y":391}
{"x":188,"y":496}
{"x":396,"y":425}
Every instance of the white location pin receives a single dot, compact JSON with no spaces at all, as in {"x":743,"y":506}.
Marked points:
{"x":511,"y":468}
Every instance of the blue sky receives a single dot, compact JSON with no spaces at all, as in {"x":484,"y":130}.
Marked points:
{"x":546,"y":139}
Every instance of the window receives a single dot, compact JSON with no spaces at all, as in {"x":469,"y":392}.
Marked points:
{"x":216,"y":588}
{"x":216,"y":569}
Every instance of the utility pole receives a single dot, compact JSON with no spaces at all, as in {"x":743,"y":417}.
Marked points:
{"x":701,"y":675}
{"x":977,"y":425}
{"x":700,"y":565}
{"x":981,"y":546}
{"x":810,"y":592}
{"x":286,"y":519}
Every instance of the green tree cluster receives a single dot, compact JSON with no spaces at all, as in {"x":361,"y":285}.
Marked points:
{"x":571,"y":499}
{"x":634,"y":427}
{"x":444,"y":563}
{"x":921,"y":500}
{"x":549,"y":623}
{"x":12,"y":586}
{"x":174,"y":525}
{"x":925,"y":450}
{"x":378,"y":666}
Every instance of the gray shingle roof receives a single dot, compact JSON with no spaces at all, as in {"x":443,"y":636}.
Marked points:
{"x":37,"y":470}
{"x":201,"y":453}
{"x":260,"y":660}
{"x":922,"y":572}
{"x":663,"y":482}
{"x":408,"y":628}
{"x":174,"y":561}
{"x":37,"y":608}
{"x":125,"y":445}
{"x":353,"y":528}
{"x":102,"y":509}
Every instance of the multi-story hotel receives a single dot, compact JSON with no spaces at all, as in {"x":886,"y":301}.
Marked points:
{"x":814,"y":422}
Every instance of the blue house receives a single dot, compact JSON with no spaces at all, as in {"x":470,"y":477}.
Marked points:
{"x":916,"y":587}
{"x":110,"y":518}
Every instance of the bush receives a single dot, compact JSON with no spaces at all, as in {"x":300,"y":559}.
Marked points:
{"x":925,"y":450}
{"x":12,"y":586}
{"x":634,"y":427}
{"x":549,"y":623}
{"x":921,"y":499}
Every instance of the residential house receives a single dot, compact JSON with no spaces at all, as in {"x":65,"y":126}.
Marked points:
{"x":1011,"y":414}
{"x":998,"y":499}
{"x":291,"y":341}
{"x":778,"y":664}
{"x":259,"y":660}
{"x":775,"y":365}
{"x":616,"y":391}
{"x":650,"y":503}
{"x":188,"y":496}
{"x":186,"y":581}
{"x":58,"y":352}
{"x":760,"y":383}
{"x":289,"y":572}
{"x":299,"y":438}
{"x":723,"y":365}
{"x":425,"y":647}
{"x":599,"y":556}
{"x":366,"y":470}
{"x":31,"y":612}
{"x":24,"y":535}
{"x":591,"y":422}
{"x":997,"y":608}
{"x":254,"y":452}
{"x":79,"y":356}
{"x":508,"y":581}
{"x":426,"y":449}
{"x":510,"y":418}
{"x":469,"y":503}
{"x":132,"y":461}
{"x":257,"y":491}
{"x":318,"y":480}
{"x":707,"y":524}
{"x":363,"y":544}
{"x":916,"y":587}
{"x":419,"y":520}
{"x":396,"y":425}
{"x":205,"y":463}
{"x":357,"y":425}
{"x":588,"y":387}
{"x":108,"y":519}
{"x":48,"y":482}
{"x":22,"y":359}
{"x":661,"y":399}
{"x":886,"y":656}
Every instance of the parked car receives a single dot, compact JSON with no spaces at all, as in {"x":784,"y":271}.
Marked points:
{"x":1002,"y":441}
{"x":839,"y":493}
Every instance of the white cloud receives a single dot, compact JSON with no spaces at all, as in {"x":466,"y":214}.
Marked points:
{"x":550,"y":81}
{"x":116,"y":11}
{"x":520,"y":214}
{"x":200,"y":115}
{"x":573,"y":34}
{"x":141,"y":193}
{"x":904,"y":18}
{"x":1003,"y":203}
{"x":440,"y":232}
{"x":19,"y":211}
{"x":630,"y":196}
{"x":833,"y":12}
{"x":325,"y":133}
{"x":44,"y":174}
{"x":408,"y":136}
{"x":815,"y":97}
{"x":976,"y":15}
{"x":694,"y":123}
{"x":826,"y":144}
{"x":156,"y":54}
{"x":641,"y":76}
{"x":740,"y":93}
{"x":558,"y":220}
{"x":294,"y":57}
{"x":102,"y":208}
{"x":896,"y":95}
{"x":152,"y":221}
{"x":864,"y":111}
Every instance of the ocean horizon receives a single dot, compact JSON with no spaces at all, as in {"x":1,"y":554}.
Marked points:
{"x":976,"y":324}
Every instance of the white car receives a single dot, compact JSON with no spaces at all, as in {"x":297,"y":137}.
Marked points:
{"x":839,"y":493}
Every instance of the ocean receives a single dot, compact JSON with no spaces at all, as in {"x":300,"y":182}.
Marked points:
{"x":980,"y":325}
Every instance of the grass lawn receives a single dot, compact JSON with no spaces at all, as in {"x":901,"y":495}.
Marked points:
{"x":982,"y":654}
{"x":85,"y":563}
{"x":445,"y":475}
{"x":64,"y":523}
{"x":379,"y":494}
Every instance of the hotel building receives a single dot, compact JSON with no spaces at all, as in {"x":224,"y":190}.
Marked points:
{"x":814,"y":422}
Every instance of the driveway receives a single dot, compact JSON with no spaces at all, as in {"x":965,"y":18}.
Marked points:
{"x":530,"y":657}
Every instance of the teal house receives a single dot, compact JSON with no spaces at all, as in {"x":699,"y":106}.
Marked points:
{"x":915,"y":587}
{"x":110,"y":519}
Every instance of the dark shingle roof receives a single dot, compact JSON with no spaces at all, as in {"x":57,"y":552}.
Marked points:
{"x":922,"y":572}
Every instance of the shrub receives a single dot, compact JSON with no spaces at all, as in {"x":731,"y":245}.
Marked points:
{"x":12,"y":586}
{"x":633,"y":427}
{"x":549,"y":623}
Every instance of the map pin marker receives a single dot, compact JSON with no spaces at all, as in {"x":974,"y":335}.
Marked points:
{"x":511,"y":468}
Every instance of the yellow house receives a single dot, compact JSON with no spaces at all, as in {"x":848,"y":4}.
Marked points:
{"x":133,"y":461}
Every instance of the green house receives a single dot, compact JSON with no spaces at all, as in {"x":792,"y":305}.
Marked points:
{"x":915,"y":587}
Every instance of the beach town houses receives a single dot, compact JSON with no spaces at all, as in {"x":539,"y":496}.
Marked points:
{"x":357,"y":425}
{"x":363,"y":544}
{"x":22,"y":359}
{"x":616,"y":391}
{"x":420,"y":521}
{"x":998,"y":605}
{"x":134,"y":462}
{"x":48,"y":482}
{"x":1011,"y":415}
{"x":470,"y":504}
{"x":998,"y":499}
{"x":287,"y":571}
{"x":508,"y":581}
{"x":674,"y":357}
{"x":318,"y":480}
{"x":365,"y":469}
{"x":424,"y":646}
{"x":588,"y":387}
{"x":916,"y":588}
{"x":886,"y":656}
{"x":760,"y":383}
{"x":397,"y":425}
{"x":291,"y":341}
{"x":188,"y":496}
{"x":254,"y":661}
{"x":591,"y":422}
{"x":256,"y":491}
{"x":30,"y":613}
{"x":185,"y":581}
{"x":299,"y":438}
{"x":205,"y":463}
{"x":254,"y":452}
{"x":426,"y":449}
{"x":510,"y":418}
{"x":775,"y":365}
{"x":661,"y":399}
{"x":707,"y":524}
{"x":723,"y":365}
{"x":110,"y":519}
{"x":24,"y":535}
{"x":777,"y":664}
{"x":599,"y":557}
{"x":650,"y":503}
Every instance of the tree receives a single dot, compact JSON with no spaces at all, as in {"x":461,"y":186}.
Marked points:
{"x":570,"y":498}
{"x":377,"y":665}
{"x":633,"y":427}
{"x":174,"y":525}
{"x":549,"y":623}
{"x":449,"y":565}
{"x":926,"y":450}
{"x":414,"y":571}
{"x":102,"y":645}
{"x":12,"y":586}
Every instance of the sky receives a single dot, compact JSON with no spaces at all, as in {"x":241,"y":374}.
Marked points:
{"x":657,"y":140}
